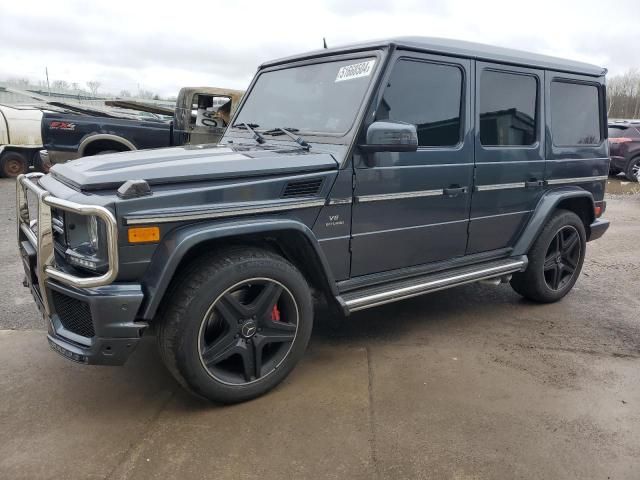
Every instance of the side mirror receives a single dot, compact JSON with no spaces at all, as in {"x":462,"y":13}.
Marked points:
{"x":390,"y":136}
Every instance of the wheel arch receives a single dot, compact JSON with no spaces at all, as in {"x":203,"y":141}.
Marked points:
{"x":90,"y":142}
{"x":289,"y":238}
{"x":574,"y":199}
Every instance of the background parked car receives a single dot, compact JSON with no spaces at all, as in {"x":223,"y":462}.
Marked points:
{"x":200,"y":116}
{"x":624,"y":148}
{"x":20,"y":139}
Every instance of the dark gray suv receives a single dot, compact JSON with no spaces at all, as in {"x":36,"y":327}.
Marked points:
{"x":624,"y":148}
{"x":369,"y":174}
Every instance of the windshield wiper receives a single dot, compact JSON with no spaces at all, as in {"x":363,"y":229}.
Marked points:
{"x":289,"y":132}
{"x":250,"y":127}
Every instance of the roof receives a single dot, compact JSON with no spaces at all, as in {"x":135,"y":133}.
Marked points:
{"x":459,"y":48}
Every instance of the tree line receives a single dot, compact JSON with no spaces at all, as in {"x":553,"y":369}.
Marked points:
{"x":623,"y":95}
{"x":90,"y":88}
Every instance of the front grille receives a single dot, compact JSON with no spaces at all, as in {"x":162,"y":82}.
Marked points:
{"x":75,"y":315}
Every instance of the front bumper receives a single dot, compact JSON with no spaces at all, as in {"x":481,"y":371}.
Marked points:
{"x":57,"y":156}
{"x":90,"y":319}
{"x":619,"y":163}
{"x":88,"y":325}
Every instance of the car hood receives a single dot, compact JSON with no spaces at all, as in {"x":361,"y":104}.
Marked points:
{"x":188,"y":164}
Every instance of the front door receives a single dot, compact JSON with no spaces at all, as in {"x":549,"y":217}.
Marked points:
{"x":412,"y":208}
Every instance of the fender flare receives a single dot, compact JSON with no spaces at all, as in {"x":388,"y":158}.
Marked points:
{"x":545,"y":208}
{"x":92,"y":137}
{"x":175,"y":246}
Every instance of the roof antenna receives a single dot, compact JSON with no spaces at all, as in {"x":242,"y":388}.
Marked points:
{"x":324,"y":42}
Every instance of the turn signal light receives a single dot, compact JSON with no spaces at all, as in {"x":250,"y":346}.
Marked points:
{"x":599,"y":208}
{"x":144,"y":234}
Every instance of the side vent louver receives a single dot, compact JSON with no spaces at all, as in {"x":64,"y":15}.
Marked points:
{"x":302,"y":188}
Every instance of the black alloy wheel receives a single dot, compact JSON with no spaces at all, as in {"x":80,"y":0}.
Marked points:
{"x":555,"y":259}
{"x":235,"y":323}
{"x":633,"y":170}
{"x":562,"y":258}
{"x":248,"y":331}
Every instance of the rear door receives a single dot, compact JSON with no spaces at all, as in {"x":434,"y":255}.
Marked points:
{"x":509,"y":154}
{"x":412,"y":208}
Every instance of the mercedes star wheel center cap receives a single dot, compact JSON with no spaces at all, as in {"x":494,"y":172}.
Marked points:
{"x":248,"y":329}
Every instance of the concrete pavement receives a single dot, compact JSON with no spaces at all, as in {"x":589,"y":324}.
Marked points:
{"x":470,"y":383}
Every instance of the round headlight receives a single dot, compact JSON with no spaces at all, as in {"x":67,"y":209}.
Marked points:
{"x":93,"y":233}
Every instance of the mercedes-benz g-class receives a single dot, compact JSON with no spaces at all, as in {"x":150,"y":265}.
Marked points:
{"x":369,"y":173}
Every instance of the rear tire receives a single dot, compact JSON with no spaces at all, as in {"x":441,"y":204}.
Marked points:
{"x":633,"y":169}
{"x":236,"y":323}
{"x":13,"y":164}
{"x":555,"y":259}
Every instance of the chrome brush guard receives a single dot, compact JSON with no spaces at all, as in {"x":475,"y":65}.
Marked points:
{"x":40,"y":235}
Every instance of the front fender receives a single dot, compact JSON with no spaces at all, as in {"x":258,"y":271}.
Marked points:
{"x":545,"y":208}
{"x":175,"y":246}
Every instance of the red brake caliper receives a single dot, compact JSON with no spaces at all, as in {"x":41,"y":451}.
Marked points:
{"x":275,"y":314}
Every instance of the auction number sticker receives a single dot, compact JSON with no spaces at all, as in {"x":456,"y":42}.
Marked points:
{"x":356,"y":70}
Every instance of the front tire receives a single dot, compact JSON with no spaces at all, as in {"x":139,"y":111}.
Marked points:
{"x":633,"y":169}
{"x":555,"y":260}
{"x":236,"y":324}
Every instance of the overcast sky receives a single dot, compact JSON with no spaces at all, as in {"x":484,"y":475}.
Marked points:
{"x":162,"y":46}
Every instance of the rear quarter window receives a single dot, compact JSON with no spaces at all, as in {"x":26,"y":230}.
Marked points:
{"x":575,"y":114}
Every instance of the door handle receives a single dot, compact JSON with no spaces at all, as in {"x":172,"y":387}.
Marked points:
{"x":533,"y":183}
{"x":454,"y":190}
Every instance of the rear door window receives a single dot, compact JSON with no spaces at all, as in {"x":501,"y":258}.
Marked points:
{"x":575,"y":114}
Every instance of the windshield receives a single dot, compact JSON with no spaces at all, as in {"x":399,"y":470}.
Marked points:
{"x":323,"y":97}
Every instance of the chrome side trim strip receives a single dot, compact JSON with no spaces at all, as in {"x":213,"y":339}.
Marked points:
{"x":499,"y":186}
{"x":329,"y":239}
{"x":339,"y":201}
{"x":484,"y":217}
{"x":398,"y":196}
{"x":575,"y":159}
{"x":432,"y":286}
{"x":559,"y":181}
{"x":221,"y":212}
{"x":412,"y":227}
{"x":510,"y":162}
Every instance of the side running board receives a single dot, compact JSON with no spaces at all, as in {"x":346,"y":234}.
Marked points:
{"x":407,"y":288}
